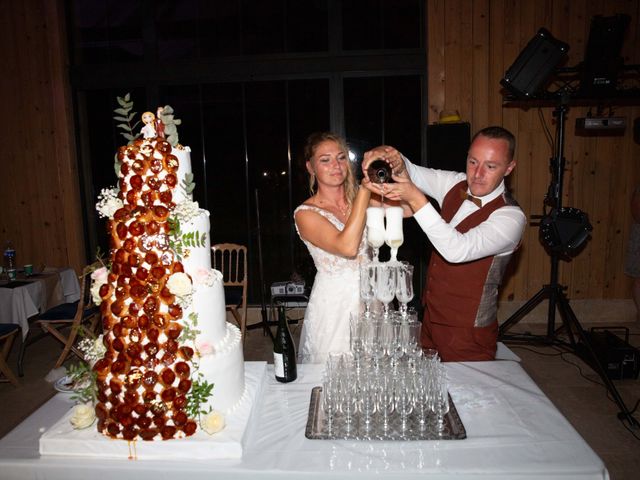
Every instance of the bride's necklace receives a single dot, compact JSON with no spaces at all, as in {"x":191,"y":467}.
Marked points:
{"x":345,"y":211}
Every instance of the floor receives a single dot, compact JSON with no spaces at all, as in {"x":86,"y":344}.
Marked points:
{"x":572,"y":386}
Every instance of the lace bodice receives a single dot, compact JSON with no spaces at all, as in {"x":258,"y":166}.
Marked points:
{"x":330,"y":263}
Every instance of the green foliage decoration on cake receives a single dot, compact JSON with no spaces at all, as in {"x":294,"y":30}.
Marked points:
{"x":170,"y":123}
{"x":188,"y":184}
{"x":125,"y":116}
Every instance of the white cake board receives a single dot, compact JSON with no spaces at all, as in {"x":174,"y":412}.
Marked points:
{"x":62,"y":440}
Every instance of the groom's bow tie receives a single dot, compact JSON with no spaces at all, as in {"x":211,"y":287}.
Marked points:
{"x":465,"y":196}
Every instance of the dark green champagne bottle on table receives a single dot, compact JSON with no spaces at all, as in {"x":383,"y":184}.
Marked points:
{"x":284,"y":351}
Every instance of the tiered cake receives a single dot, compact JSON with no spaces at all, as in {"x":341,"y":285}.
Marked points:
{"x":163,"y":307}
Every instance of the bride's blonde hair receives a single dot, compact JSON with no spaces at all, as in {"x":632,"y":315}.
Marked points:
{"x":315,"y":139}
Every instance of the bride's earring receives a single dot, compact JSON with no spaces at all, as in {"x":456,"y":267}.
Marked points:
{"x":312,"y":182}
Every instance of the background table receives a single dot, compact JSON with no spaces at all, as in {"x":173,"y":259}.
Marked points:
{"x":513,"y":431}
{"x":46,"y":290}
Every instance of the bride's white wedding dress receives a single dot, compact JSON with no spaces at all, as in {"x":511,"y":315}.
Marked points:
{"x":334,"y":296}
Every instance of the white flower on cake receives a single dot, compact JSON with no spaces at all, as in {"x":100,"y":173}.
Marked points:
{"x":186,"y":211}
{"x":179,"y":284}
{"x":212,"y":422}
{"x":93,"y":349}
{"x":108,"y":202}
{"x":98,"y":278}
{"x":83,"y":416}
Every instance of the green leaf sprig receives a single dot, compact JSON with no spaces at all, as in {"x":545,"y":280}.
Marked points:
{"x":125,"y":116}
{"x":200,"y":392}
{"x":83,"y":381}
{"x":194,"y":239}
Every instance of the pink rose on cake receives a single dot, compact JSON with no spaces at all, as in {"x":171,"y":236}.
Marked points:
{"x":205,"y":277}
{"x":98,"y":278}
{"x":204,"y":348}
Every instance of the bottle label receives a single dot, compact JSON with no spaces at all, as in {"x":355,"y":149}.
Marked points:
{"x":278,"y":364}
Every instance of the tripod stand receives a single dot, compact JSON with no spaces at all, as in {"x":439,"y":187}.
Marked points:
{"x":555,"y":292}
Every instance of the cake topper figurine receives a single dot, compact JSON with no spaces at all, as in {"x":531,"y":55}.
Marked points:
{"x":149,"y":129}
{"x":159,"y":122}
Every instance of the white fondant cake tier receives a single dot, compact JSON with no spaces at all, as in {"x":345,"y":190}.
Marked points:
{"x":209,"y":304}
{"x":224,"y":368}
{"x":62,"y":440}
{"x":184,"y":167}
{"x":197,"y":256}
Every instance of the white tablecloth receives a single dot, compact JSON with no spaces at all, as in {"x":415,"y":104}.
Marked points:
{"x":513,"y":432}
{"x":53,"y":287}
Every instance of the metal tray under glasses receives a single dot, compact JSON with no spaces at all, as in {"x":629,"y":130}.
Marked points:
{"x":318,"y":427}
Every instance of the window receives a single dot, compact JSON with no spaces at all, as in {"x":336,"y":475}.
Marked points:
{"x":250,"y":80}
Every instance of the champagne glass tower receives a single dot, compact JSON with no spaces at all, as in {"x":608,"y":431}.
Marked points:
{"x":393,"y":233}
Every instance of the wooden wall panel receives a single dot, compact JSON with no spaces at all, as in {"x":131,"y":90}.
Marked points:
{"x":601,"y":172}
{"x":39,"y":188}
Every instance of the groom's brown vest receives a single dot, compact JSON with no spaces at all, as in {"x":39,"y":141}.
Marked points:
{"x":464,"y":294}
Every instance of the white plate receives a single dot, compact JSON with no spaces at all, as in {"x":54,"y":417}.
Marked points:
{"x":63,"y":385}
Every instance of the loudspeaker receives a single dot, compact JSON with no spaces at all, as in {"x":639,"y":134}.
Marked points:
{"x":602,"y":60}
{"x":533,"y":68}
{"x":447,"y":146}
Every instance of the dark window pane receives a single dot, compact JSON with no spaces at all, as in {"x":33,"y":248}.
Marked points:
{"x":219,"y":28}
{"x":225,"y":163}
{"x":381,"y":24}
{"x":307,"y":26}
{"x":402,"y":113}
{"x":402,"y":23}
{"x":363,"y":113}
{"x":107,"y":31}
{"x":177,"y":29}
{"x":262,"y":26}
{"x":268,"y":174}
{"x":361,"y":25}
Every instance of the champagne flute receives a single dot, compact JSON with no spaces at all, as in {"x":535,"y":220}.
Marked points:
{"x":329,"y":397}
{"x":404,"y":400}
{"x":375,"y":229}
{"x":367,"y":286}
{"x":385,"y":286}
{"x":385,"y":399}
{"x":356,"y":338}
{"x":393,"y":233}
{"x":404,"y":286}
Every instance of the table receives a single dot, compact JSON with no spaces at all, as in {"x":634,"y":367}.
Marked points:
{"x":513,"y":431}
{"x":46,"y":290}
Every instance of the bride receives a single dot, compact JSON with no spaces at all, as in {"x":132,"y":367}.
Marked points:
{"x":331,"y":224}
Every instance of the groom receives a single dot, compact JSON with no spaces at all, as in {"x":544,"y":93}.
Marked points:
{"x":473,"y":238}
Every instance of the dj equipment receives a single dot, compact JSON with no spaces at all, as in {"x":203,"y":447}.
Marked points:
{"x":283,"y":289}
{"x":533,"y":68}
{"x":619,"y":359}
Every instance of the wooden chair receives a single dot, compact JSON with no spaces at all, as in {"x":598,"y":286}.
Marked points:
{"x":8,"y":332}
{"x":81,"y":316}
{"x":231,"y":260}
